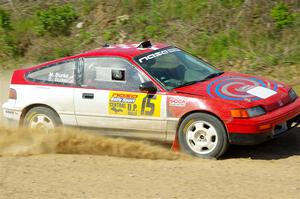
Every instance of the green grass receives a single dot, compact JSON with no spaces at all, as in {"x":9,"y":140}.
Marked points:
{"x":257,"y":37}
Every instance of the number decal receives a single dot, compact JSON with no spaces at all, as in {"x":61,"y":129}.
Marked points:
{"x":135,"y":104}
{"x":148,"y":104}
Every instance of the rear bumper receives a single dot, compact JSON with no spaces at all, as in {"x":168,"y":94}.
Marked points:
{"x":10,"y":112}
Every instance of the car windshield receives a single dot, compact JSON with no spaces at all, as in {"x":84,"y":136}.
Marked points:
{"x":174,"y":68}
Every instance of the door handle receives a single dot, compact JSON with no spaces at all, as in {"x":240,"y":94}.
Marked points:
{"x":88,"y":95}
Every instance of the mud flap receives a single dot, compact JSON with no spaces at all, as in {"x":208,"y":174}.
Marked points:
{"x":175,"y":146}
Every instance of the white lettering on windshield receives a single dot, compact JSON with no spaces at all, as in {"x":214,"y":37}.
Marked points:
{"x":157,"y":54}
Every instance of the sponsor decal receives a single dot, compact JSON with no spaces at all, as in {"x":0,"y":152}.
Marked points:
{"x":135,"y":104}
{"x":11,"y":112}
{"x":60,"y":77}
{"x":177,"y":101}
{"x":241,"y":88}
{"x":157,"y":54}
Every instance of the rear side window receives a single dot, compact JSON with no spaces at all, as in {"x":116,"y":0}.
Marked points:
{"x":111,"y":73}
{"x":60,"y":73}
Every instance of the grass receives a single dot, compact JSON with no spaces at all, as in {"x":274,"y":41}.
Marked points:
{"x":256,"y":37}
{"x":297,"y":89}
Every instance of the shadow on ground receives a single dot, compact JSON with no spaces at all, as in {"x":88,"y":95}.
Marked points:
{"x":284,"y":146}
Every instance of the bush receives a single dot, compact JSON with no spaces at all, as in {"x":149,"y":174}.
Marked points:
{"x":49,"y":54}
{"x":8,"y":44}
{"x":88,"y":6}
{"x":282,"y":16}
{"x":219,"y":47}
{"x":5,"y":20}
{"x":56,"y":20}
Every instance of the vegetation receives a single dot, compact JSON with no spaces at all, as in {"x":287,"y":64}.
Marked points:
{"x":56,"y":20}
{"x":4,"y":20}
{"x":282,"y":16}
{"x":7,"y":42}
{"x":251,"y":36}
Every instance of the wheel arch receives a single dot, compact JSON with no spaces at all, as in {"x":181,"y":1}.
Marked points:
{"x":31,"y":106}
{"x":200,"y":111}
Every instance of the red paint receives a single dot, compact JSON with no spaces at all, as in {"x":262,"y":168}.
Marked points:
{"x":175,"y":145}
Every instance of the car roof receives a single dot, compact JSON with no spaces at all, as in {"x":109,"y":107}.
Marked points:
{"x":123,"y":50}
{"x":128,"y":50}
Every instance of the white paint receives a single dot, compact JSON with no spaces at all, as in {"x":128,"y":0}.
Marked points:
{"x":123,"y":46}
{"x":261,"y":92}
{"x":177,"y":101}
{"x":94,"y":113}
{"x":61,"y":99}
{"x":77,"y":111}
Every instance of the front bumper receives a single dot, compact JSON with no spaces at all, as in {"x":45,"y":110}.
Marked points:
{"x":249,"y":139}
{"x":257,"y":138}
{"x":248,"y":131}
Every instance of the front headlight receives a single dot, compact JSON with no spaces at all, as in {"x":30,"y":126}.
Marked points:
{"x":256,"y":111}
{"x":293,"y":95}
{"x":249,"y":112}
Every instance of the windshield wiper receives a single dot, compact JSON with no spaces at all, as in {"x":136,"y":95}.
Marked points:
{"x":212,"y":76}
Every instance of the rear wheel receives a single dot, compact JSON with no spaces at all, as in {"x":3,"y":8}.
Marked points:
{"x":42,"y":119}
{"x":203,"y":135}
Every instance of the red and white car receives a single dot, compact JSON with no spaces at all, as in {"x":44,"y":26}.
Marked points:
{"x":154,"y":92}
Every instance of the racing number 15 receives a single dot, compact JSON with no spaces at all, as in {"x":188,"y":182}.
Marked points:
{"x":147,"y":104}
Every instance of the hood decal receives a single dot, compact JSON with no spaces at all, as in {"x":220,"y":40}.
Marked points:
{"x":261,"y":92}
{"x":236,"y":88}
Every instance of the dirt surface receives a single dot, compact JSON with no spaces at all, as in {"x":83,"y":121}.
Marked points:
{"x":267,"y":171}
{"x":73,"y":164}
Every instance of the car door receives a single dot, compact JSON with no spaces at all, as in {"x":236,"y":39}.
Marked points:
{"x":109,"y":98}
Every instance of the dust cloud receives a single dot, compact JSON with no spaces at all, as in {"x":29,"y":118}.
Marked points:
{"x":25,"y":142}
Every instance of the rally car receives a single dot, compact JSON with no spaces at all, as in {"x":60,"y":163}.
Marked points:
{"x":153,"y":92}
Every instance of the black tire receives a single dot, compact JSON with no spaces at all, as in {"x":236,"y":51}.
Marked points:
{"x":219,"y":139}
{"x":49,"y":114}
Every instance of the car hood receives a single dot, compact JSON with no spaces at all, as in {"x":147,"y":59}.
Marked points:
{"x":243,"y":90}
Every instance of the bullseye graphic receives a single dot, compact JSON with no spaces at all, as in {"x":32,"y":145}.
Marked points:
{"x":235,"y":88}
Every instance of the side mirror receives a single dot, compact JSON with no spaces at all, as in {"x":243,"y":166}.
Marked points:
{"x":148,"y":87}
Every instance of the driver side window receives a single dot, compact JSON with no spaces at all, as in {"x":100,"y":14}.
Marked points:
{"x":111,"y":73}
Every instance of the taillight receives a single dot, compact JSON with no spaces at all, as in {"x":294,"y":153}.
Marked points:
{"x":12,"y":94}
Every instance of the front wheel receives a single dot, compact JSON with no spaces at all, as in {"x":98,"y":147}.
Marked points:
{"x":203,"y":135}
{"x":42,"y":119}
